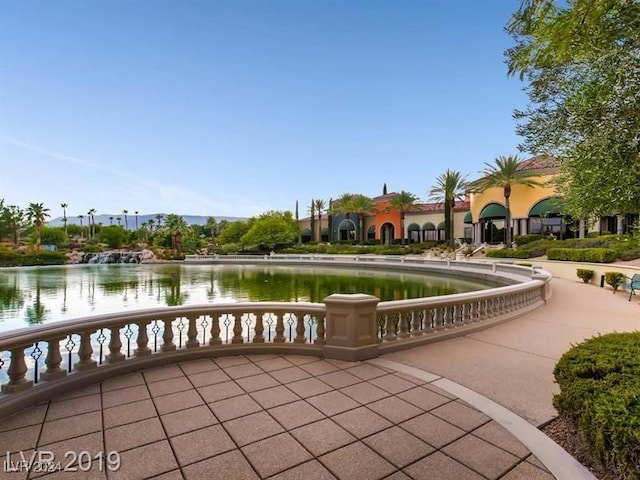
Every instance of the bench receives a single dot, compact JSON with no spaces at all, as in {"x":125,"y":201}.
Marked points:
{"x":634,"y":284}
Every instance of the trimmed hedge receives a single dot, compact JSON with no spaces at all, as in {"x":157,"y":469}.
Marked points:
{"x":595,"y":255}
{"x":508,"y":253}
{"x":13,"y":259}
{"x":599,"y":384}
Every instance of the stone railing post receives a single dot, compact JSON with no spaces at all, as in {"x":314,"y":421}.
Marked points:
{"x":351,"y":327}
{"x":547,"y":284}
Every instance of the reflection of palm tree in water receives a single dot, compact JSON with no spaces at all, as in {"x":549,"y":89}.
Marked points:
{"x":37,"y":311}
{"x":173,"y":289}
{"x":11,"y":297}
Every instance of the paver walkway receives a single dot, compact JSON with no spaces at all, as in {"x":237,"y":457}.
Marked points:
{"x":280,"y":417}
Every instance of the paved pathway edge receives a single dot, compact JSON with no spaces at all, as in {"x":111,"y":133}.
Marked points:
{"x":553,"y":456}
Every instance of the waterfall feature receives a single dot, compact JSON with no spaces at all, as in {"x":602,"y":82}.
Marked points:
{"x":112,"y":257}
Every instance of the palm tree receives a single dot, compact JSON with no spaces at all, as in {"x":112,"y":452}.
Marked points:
{"x":80,"y":217}
{"x":504,"y":174}
{"x":136,"y":213}
{"x":64,"y":215}
{"x":110,"y":220}
{"x":361,"y":205}
{"x":92,"y":222}
{"x":126,"y":223}
{"x":320,"y":206}
{"x":37,"y":214}
{"x":14,"y":216}
{"x":176,"y":226}
{"x":211,"y":224}
{"x":449,"y":187}
{"x":403,"y":202}
{"x":159,"y":218}
{"x":151,"y":222}
{"x":119,"y":219}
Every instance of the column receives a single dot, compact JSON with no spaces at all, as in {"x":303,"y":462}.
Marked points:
{"x":351,"y":327}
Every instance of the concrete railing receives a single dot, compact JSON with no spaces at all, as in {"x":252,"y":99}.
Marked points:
{"x":39,"y":362}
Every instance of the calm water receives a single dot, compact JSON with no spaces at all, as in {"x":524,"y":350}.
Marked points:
{"x":30,"y":296}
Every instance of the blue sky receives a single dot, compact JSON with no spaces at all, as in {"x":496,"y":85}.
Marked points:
{"x":236,"y":107}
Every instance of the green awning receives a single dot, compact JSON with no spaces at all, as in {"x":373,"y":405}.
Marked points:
{"x":493,"y":210}
{"x":468,"y":218}
{"x":414,"y":227}
{"x":306,"y":232}
{"x":324,"y":231}
{"x":428,"y":226}
{"x":441,"y":226}
{"x":545,"y":207}
{"x":371,"y":229}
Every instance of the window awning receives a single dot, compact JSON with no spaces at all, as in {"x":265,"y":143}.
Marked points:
{"x":493,"y":210}
{"x":468,"y":218}
{"x":548,"y":206}
{"x":371,"y":229}
{"x":306,"y":232}
{"x":324,"y":231}
{"x":428,"y":226}
{"x":441,"y":226}
{"x":414,"y":227}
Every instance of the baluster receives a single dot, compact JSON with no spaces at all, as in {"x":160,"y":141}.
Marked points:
{"x":390,"y":327}
{"x":237,"y":329}
{"x":460,"y":313}
{"x":85,"y":351}
{"x":416,"y":316}
{"x":320,"y":330}
{"x":439,"y":319}
{"x":450,"y":321}
{"x":300,"y":337}
{"x":405,"y":324}
{"x":259,"y":329}
{"x":143,"y":349}
{"x":192,"y":333}
{"x":167,"y":336}
{"x":428,"y":325}
{"x":17,"y":370}
{"x":53,"y":361}
{"x":115,"y":344}
{"x":215,"y":331}
{"x":279,"y":338}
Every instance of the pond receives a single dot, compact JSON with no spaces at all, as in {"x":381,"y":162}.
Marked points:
{"x":35,"y":295}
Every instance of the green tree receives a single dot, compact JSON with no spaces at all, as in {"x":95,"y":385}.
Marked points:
{"x":113,"y":235}
{"x":361,"y":205}
{"x":580,"y":60}
{"x":36,"y":215}
{"x":450,"y":186}
{"x":312,"y":219}
{"x":504,"y":174}
{"x":54,"y":236}
{"x":270,"y":231}
{"x":14,"y":219}
{"x":403,"y":202}
{"x":233,"y":232}
{"x":320,"y":207}
{"x":211,"y":225}
{"x":177,"y":227}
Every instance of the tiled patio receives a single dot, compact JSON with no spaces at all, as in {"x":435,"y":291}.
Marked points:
{"x":277,"y":417}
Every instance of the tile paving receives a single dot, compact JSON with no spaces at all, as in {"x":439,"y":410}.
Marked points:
{"x":267,"y":416}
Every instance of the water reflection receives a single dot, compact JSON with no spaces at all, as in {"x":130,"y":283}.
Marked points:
{"x":36,"y":295}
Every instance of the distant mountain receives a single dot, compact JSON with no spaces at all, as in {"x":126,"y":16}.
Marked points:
{"x":109,"y":219}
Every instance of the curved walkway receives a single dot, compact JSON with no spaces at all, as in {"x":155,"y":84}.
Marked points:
{"x":433,"y":412}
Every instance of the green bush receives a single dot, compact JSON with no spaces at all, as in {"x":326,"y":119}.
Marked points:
{"x":595,"y":255}
{"x":508,"y":253}
{"x":44,"y":257}
{"x":615,"y":279}
{"x":9,"y":258}
{"x":585,"y":275}
{"x":599,"y":384}
{"x":524,"y":239}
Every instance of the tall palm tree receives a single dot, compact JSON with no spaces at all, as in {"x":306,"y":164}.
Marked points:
{"x":111,"y":220}
{"x":403,"y":202}
{"x":504,"y":174}
{"x":37,"y":214}
{"x":176,"y":226}
{"x":361,"y":205}
{"x":449,"y":187}
{"x":136,"y":213}
{"x":92,"y":222}
{"x":80,"y":217}
{"x":320,"y":207}
{"x":151,"y":222}
{"x":126,"y":223}
{"x":159,"y":218}
{"x":64,"y":215}
{"x":119,"y":220}
{"x":211,"y":224}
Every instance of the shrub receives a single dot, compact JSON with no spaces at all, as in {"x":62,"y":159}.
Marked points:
{"x":508,"y":253}
{"x":615,"y":279}
{"x":595,"y":255}
{"x":521,"y":240}
{"x":599,"y":384}
{"x":585,"y":275}
{"x":9,"y":258}
{"x":229,"y":248}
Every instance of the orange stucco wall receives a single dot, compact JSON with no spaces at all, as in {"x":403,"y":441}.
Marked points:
{"x":522,"y":198}
{"x":386,"y":214}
